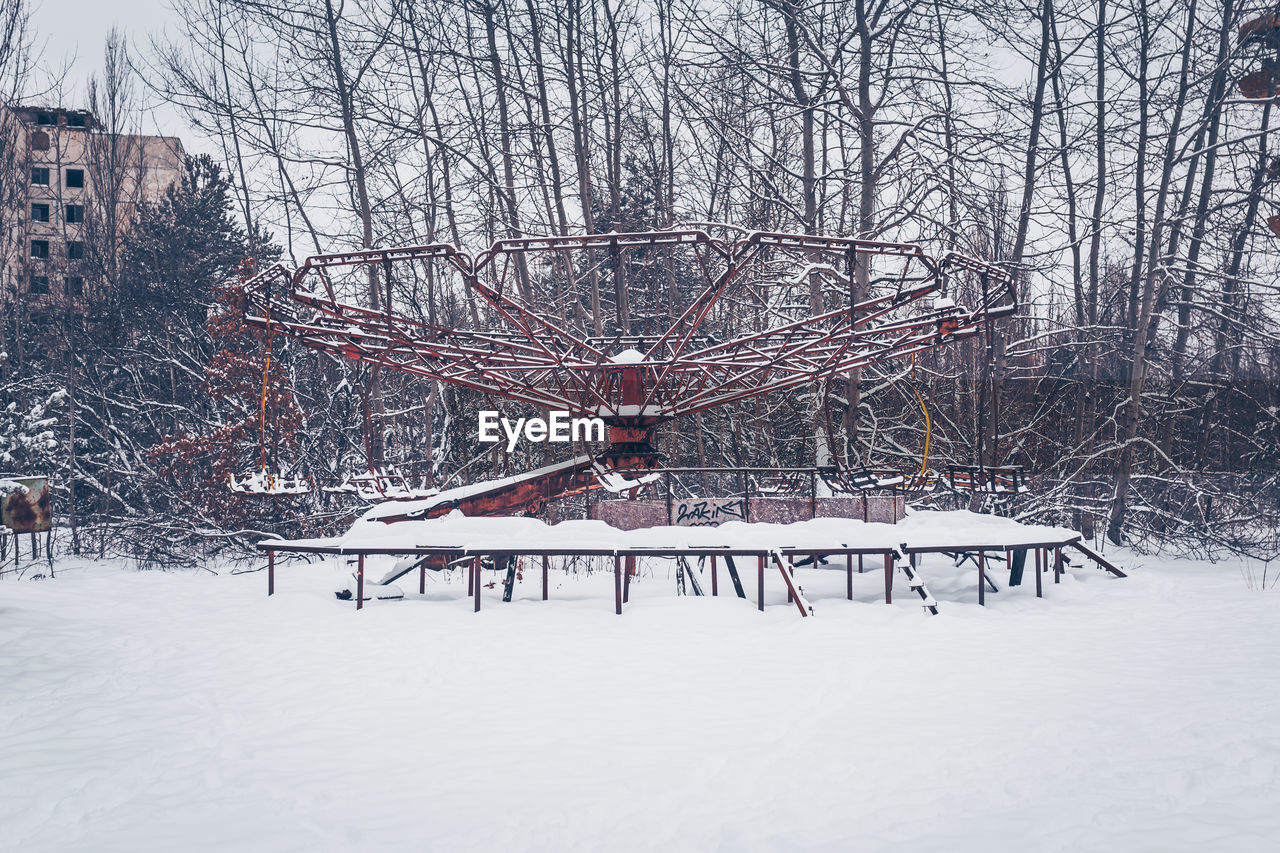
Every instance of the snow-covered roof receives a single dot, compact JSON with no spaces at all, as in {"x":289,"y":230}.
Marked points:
{"x":422,"y":506}
{"x":920,"y":529}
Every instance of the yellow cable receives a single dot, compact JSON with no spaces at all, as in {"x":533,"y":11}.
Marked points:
{"x":928,"y":430}
{"x":928,"y":422}
{"x":262,"y":418}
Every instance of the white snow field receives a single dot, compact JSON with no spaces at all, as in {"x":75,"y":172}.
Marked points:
{"x":179,"y":711}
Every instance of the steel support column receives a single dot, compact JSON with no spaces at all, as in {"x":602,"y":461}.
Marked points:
{"x":888,"y":579}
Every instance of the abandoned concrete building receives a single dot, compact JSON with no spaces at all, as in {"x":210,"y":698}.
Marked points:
{"x":71,"y":192}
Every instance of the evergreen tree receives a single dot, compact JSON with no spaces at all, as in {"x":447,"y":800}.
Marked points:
{"x":148,"y":378}
{"x":180,"y":251}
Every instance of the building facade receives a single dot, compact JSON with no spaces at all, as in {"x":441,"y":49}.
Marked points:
{"x":72,"y":193}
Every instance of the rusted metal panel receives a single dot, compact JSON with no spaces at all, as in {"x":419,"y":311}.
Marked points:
{"x":523,"y":496}
{"x":27,"y":506}
{"x":1273,"y":222}
{"x":1261,"y":27}
{"x":1260,"y":85}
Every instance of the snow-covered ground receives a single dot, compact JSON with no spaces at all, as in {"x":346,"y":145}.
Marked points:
{"x":152,"y":711}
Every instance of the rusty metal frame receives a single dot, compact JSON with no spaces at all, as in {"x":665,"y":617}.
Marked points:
{"x":530,"y":358}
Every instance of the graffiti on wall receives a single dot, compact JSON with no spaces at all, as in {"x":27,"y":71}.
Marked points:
{"x":708,"y":513}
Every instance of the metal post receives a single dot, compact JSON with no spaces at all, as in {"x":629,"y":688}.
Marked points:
{"x":666,"y":477}
{"x":982,"y":578}
{"x":626,"y":581}
{"x":422,"y":578}
{"x":544,"y":577}
{"x":760,"y":587}
{"x":859,"y":564}
{"x":475,"y":569}
{"x":617,"y":584}
{"x":848,"y":570}
{"x":888,"y":579}
{"x":1057,"y":564}
{"x":715,"y":577}
{"x":360,"y":582}
{"x":471,"y":581}
{"x":271,"y":573}
{"x":1039,"y":581}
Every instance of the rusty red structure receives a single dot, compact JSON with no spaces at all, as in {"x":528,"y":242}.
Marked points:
{"x":635,"y":328}
{"x":1261,"y":37}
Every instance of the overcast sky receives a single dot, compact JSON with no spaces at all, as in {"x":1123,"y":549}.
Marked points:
{"x":73,"y":31}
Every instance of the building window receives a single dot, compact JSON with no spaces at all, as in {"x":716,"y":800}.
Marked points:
{"x":39,"y":213}
{"x":75,"y":250}
{"x":39,"y":248}
{"x":40,"y":176}
{"x":75,"y":178}
{"x":46,"y":119}
{"x":75,"y":214}
{"x":39,"y":284}
{"x":75,"y":285}
{"x":39,"y":140}
{"x":75,"y":120}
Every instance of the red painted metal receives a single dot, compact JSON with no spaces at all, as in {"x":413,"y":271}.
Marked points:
{"x":1260,"y":27}
{"x":518,"y":495}
{"x":624,"y":435}
{"x":1057,"y":564}
{"x":998,"y":480}
{"x":715,"y":577}
{"x":793,"y":594}
{"x":760,"y":587}
{"x":1263,"y":84}
{"x":532,"y":346}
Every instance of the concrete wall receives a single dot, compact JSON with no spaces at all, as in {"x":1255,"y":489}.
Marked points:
{"x":887,"y":509}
